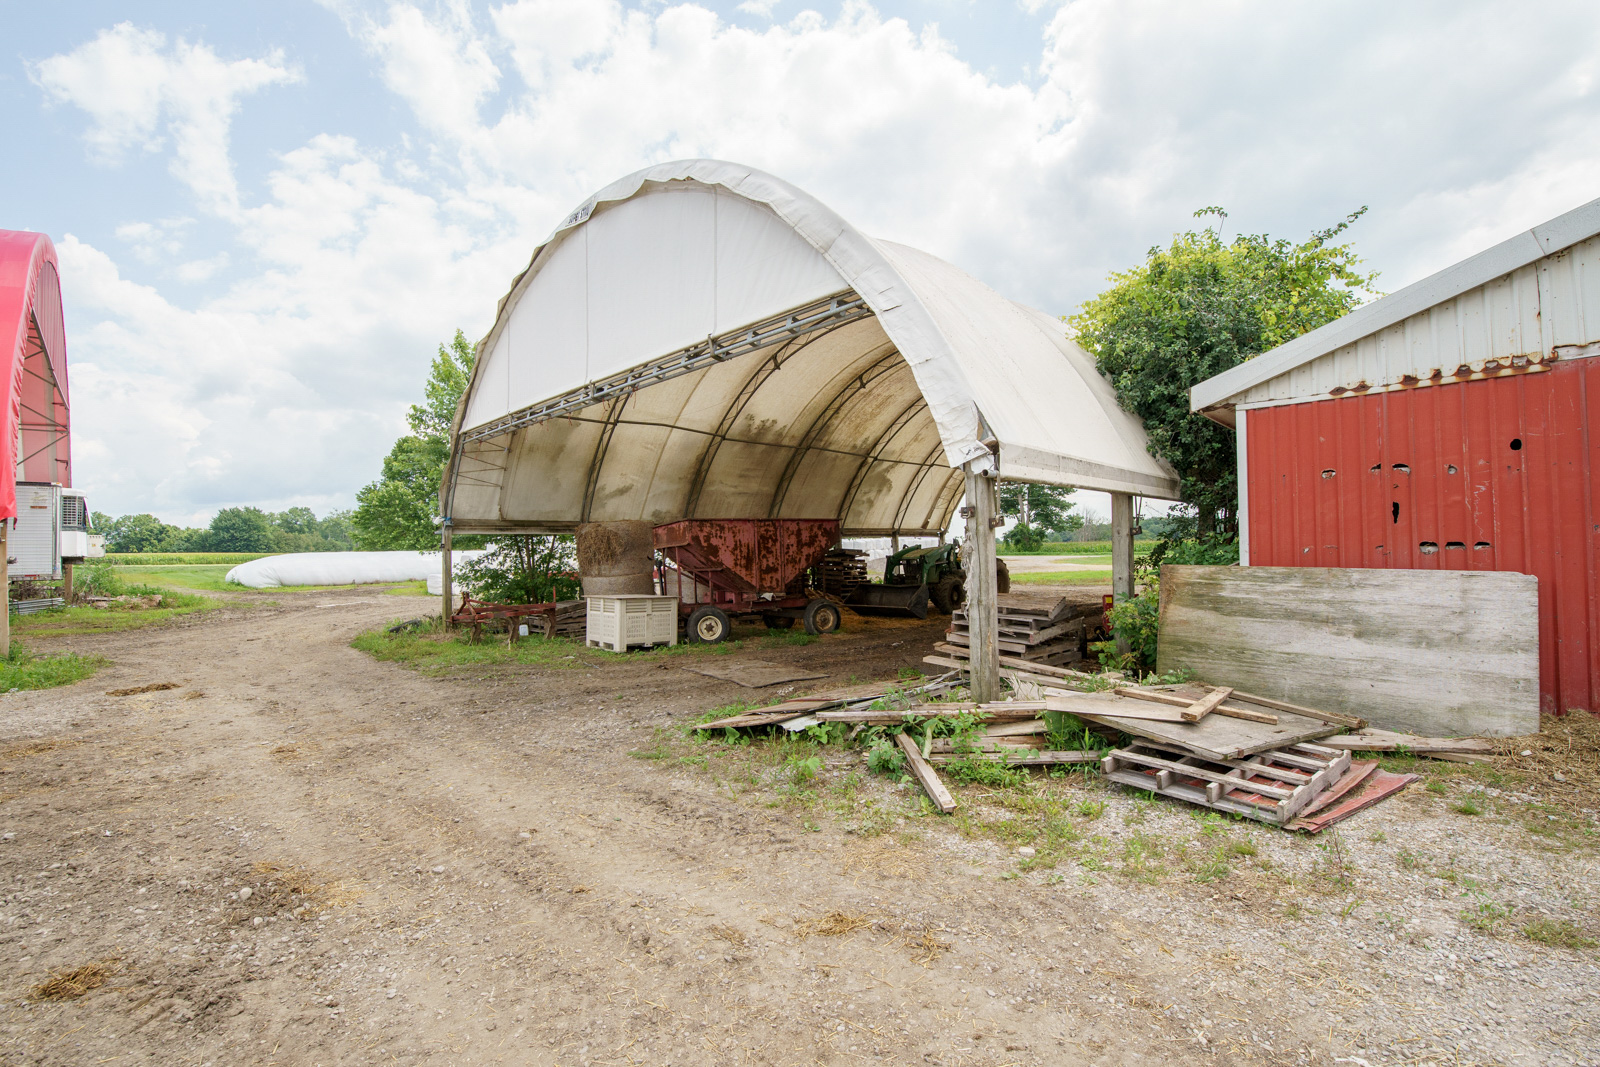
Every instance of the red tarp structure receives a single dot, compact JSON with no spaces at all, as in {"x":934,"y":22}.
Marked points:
{"x":35,"y":443}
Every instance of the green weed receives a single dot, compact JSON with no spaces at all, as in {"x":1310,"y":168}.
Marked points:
{"x":1558,"y":933}
{"x":1486,"y":916}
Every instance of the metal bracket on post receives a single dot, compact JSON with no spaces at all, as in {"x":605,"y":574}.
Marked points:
{"x":968,"y":512}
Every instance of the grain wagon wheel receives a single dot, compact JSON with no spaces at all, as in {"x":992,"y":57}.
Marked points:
{"x":708,"y":625}
{"x":822,"y":617}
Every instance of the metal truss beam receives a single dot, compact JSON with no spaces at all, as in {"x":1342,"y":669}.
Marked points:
{"x":827,"y":313}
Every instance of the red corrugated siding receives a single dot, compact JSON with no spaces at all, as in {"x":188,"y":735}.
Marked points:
{"x":1373,"y":481}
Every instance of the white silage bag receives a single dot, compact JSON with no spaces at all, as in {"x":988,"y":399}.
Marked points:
{"x":343,"y":568}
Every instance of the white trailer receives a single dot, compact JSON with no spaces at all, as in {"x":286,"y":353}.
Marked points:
{"x":51,"y":530}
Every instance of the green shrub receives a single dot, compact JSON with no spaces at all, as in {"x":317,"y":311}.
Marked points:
{"x":1136,"y":621}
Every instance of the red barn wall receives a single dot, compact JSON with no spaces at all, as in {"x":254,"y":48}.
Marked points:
{"x":1493,"y":474}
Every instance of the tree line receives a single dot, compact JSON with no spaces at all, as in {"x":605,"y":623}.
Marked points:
{"x":232,"y":530}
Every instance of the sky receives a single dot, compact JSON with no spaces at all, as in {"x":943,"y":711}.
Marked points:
{"x":270,"y":214}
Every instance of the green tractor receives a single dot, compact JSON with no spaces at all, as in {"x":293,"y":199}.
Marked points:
{"x":913,"y":577}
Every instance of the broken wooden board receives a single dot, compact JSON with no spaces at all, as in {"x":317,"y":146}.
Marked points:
{"x":959,"y":656}
{"x":1439,"y":653}
{"x":1214,"y":736}
{"x":889,"y":716}
{"x":926,"y":776}
{"x":1272,"y":787}
{"x":1361,"y":787}
{"x":1025,"y":757}
{"x":1388,"y":741}
{"x":1097,"y":704}
{"x":1188,"y":712}
{"x":753,"y":673}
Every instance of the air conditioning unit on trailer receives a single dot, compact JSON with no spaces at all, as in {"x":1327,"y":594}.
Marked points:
{"x":51,"y":528}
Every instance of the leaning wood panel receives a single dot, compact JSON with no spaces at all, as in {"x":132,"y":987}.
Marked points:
{"x":1440,"y":653}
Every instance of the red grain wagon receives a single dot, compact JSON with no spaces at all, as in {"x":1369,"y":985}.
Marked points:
{"x":721,"y":568}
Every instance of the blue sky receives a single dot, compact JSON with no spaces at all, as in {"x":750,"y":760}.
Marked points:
{"x":269,"y":214}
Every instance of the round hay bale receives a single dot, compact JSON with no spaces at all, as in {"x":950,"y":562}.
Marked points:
{"x":643,"y":583}
{"x":613,"y":549}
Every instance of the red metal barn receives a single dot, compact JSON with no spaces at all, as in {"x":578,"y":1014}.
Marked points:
{"x":1446,"y":426}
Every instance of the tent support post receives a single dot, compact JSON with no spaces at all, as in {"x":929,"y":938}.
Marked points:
{"x":1122,"y":554}
{"x":5,"y":590}
{"x":449,"y":593}
{"x":983,"y":604}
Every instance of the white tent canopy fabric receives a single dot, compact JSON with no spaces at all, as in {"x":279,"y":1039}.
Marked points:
{"x":702,"y":340}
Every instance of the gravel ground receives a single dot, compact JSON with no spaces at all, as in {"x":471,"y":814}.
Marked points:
{"x":303,"y":856}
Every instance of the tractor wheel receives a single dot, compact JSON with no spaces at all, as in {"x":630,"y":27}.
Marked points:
{"x":822,"y":617}
{"x":948,"y":594}
{"x":708,"y":625}
{"x":1002,"y":577}
{"x":778,"y":622}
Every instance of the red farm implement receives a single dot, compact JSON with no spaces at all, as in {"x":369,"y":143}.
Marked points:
{"x":720,"y":568}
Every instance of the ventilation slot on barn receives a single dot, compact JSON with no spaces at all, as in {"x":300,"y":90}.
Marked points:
{"x":1456,"y":545}
{"x":1450,"y":468}
{"x":1428,"y":548}
{"x":1403,"y":468}
{"x":1481,"y":546}
{"x":1329,"y":473}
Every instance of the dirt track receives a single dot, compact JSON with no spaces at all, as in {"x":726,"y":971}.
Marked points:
{"x":491,"y":880}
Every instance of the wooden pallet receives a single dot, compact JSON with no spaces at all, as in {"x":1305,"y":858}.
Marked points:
{"x":1272,"y":787}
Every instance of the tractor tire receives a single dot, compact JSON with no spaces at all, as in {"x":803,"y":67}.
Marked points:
{"x":948,"y":594}
{"x":822,"y":617}
{"x":708,"y":626}
{"x":778,"y":622}
{"x":1002,"y":577}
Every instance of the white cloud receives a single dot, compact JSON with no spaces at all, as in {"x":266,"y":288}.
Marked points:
{"x":128,"y":81}
{"x":758,"y":8}
{"x":1459,"y":123}
{"x":436,"y":66}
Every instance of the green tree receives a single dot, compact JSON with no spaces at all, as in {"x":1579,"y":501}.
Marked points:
{"x":100,"y":521}
{"x":524,"y":570}
{"x":400,"y":509}
{"x":1039,"y":509}
{"x":1197,"y":308}
{"x":137,"y":533}
{"x":295,"y":521}
{"x":241,"y":530}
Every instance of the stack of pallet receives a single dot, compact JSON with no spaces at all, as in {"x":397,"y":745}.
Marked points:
{"x":1039,"y":629}
{"x":565,"y":617}
{"x":840,"y":571}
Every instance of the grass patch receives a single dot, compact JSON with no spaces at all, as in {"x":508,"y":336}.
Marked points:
{"x":434,"y":652}
{"x":1077,"y":548}
{"x":183,"y":559}
{"x":417,"y":588}
{"x":1064,"y":578}
{"x":25,"y":670}
{"x":60,"y":622}
{"x":206,"y":578}
{"x":1558,"y":933}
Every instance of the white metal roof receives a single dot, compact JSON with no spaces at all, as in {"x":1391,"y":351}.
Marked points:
{"x":1520,"y":300}
{"x":701,"y":339}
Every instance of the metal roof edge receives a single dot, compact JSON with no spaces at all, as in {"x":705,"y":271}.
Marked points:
{"x":1546,"y":239}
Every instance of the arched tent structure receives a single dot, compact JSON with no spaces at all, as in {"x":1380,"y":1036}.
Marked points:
{"x":703,"y":340}
{"x":35,"y":443}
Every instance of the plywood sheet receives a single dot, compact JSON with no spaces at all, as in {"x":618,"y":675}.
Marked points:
{"x":753,"y":673}
{"x":1438,"y":653}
